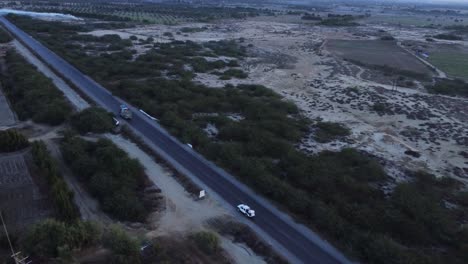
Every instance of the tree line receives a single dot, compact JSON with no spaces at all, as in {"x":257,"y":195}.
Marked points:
{"x":32,"y":95}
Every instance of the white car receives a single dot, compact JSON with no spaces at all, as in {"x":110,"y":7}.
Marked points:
{"x":245,"y":209}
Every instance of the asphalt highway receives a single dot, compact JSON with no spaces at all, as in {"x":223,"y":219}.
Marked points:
{"x":297,"y":243}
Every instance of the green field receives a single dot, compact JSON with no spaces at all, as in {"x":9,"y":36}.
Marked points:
{"x":454,"y":62}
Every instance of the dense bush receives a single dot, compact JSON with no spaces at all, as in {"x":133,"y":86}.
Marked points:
{"x":109,"y":174}
{"x":12,"y":140}
{"x":207,"y":241}
{"x":94,"y":119}
{"x":49,"y":238}
{"x":449,"y":87}
{"x":32,"y":94}
{"x":124,"y":249}
{"x":60,"y":194}
{"x":329,"y":131}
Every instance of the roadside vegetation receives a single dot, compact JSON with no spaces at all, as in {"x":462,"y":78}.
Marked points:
{"x":109,"y":175}
{"x":32,"y":95}
{"x":255,"y":139}
{"x":11,"y":140}
{"x":93,"y":119}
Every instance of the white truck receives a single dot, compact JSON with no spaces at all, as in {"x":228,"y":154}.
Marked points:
{"x":245,"y":209}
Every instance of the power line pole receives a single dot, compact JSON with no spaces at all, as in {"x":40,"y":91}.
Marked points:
{"x":15,"y":255}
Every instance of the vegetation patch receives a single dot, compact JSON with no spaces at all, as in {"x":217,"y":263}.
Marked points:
{"x":329,"y":131}
{"x":207,"y":241}
{"x":93,"y":119}
{"x":334,"y":20}
{"x":449,"y":87}
{"x":54,"y":239}
{"x":32,"y":94}
{"x":124,"y":248}
{"x":11,"y":140}
{"x":116,"y":180}
{"x":448,"y":37}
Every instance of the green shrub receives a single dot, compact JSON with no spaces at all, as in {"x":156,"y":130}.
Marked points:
{"x":329,"y":131}
{"x":94,"y":119}
{"x":12,"y":140}
{"x":124,"y":249}
{"x":207,"y":241}
{"x":45,"y":239}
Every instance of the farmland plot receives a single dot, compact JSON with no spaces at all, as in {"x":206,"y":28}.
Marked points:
{"x":381,"y":53}
{"x":21,"y":199}
{"x":451,"y":60}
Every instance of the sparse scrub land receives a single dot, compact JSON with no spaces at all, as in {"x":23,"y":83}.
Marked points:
{"x":12,"y":140}
{"x":60,"y":194}
{"x":109,"y":174}
{"x":32,"y":94}
{"x":94,"y":119}
{"x":449,"y":87}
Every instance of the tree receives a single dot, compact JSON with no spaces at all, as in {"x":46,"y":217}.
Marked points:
{"x":12,"y":140}
{"x":93,"y":119}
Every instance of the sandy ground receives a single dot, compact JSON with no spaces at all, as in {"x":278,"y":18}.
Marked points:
{"x":293,"y":60}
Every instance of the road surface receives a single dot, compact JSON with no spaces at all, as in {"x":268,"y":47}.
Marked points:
{"x":295,"y":242}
